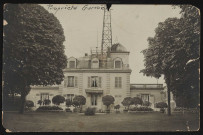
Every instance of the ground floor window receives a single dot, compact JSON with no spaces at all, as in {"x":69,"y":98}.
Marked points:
{"x":93,"y":100}
{"x":44,"y":96}
{"x":145,"y":97}
{"x":70,"y":96}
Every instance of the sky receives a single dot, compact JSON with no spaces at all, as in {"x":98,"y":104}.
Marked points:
{"x":131,"y":26}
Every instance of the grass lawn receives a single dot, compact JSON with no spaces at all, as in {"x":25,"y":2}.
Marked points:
{"x":72,"y":122}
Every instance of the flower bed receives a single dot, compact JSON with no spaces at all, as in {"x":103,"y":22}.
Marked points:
{"x":49,"y":108}
{"x":141,"y":109}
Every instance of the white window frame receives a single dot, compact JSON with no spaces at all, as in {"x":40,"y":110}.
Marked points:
{"x":94,"y":81}
{"x":118,"y":82}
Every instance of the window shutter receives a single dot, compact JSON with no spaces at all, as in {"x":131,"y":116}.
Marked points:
{"x":76,"y":81}
{"x":65,"y":81}
{"x":99,"y":82}
{"x":120,"y":82}
{"x":88,"y":81}
{"x":116,"y":82}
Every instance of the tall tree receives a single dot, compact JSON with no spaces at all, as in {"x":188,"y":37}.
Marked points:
{"x":176,"y":42}
{"x":33,"y":50}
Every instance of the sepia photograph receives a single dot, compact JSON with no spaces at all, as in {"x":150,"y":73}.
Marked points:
{"x":100,"y":68}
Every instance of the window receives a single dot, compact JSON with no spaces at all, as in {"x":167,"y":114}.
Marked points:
{"x":145,"y":97}
{"x":72,"y":81}
{"x":117,"y":64}
{"x":94,"y":81}
{"x":70,"y":96}
{"x":44,"y":96}
{"x":93,"y":100}
{"x":72,"y":64}
{"x":118,"y":82}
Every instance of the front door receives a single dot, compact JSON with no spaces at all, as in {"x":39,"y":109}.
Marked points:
{"x":94,"y":100}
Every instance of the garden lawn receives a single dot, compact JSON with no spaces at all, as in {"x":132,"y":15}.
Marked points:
{"x":73,"y":122}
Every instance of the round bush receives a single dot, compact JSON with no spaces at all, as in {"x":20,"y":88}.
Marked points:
{"x":29,"y":103}
{"x":39,"y":102}
{"x":47,"y":102}
{"x":146,"y":103}
{"x":90,"y":111}
{"x":161,"y":105}
{"x":58,"y":99}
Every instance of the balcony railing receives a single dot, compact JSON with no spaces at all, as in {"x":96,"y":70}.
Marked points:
{"x":146,"y":86}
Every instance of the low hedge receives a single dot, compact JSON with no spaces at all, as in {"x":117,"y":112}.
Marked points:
{"x":49,"y":108}
{"x":90,"y":111}
{"x":141,"y":109}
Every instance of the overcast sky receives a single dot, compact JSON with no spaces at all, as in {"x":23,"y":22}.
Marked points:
{"x":131,"y":24}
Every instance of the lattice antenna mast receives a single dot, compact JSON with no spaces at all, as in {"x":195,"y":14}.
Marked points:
{"x":107,"y":32}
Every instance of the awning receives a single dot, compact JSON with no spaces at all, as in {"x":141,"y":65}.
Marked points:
{"x":94,"y":91}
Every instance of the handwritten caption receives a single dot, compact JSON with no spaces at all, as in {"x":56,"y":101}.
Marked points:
{"x":54,"y":8}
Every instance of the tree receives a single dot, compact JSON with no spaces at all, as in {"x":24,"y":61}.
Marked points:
{"x":79,"y":101}
{"x":68,"y":102}
{"x":161,"y":105}
{"x":137,"y":101}
{"x":176,"y":42}
{"x":33,"y":50}
{"x":58,"y":99}
{"x":117,"y":107}
{"x":29,"y":104}
{"x":108,"y":100}
{"x":146,"y":103}
{"x":47,"y":102}
{"x":127,"y":102}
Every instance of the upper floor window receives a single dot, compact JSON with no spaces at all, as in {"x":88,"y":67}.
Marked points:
{"x":71,"y":64}
{"x":118,"y":82}
{"x":94,"y":81}
{"x":117,"y":64}
{"x":70,"y":81}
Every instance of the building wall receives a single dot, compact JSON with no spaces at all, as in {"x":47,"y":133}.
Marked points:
{"x":155,"y":95}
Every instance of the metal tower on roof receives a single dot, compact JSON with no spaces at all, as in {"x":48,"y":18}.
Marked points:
{"x":107,"y":32}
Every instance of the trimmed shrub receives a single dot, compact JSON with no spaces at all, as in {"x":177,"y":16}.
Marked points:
{"x":68,"y":110}
{"x":58,"y":99}
{"x":68,"y":102}
{"x":137,"y":101}
{"x":49,"y":108}
{"x":39,"y":102}
{"x":127,"y":102}
{"x":161,"y":105}
{"x":117,"y":107}
{"x":78,"y":101}
{"x":47,"y":102}
{"x":90,"y":111}
{"x":29,"y":104}
{"x":141,"y":109}
{"x":146,"y":103}
{"x":108,"y":100}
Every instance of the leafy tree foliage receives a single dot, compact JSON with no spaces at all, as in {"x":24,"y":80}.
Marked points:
{"x":29,"y":103}
{"x":161,"y":105}
{"x":127,"y":102}
{"x":170,"y":52}
{"x":33,"y":51}
{"x":108,"y":100}
{"x":137,"y":101}
{"x":79,"y":101}
{"x":47,"y":102}
{"x":58,"y":99}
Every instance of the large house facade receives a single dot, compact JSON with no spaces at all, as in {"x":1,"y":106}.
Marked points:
{"x":97,"y":75}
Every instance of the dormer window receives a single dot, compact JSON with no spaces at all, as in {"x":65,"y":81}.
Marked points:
{"x":72,"y":64}
{"x":117,"y":64}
